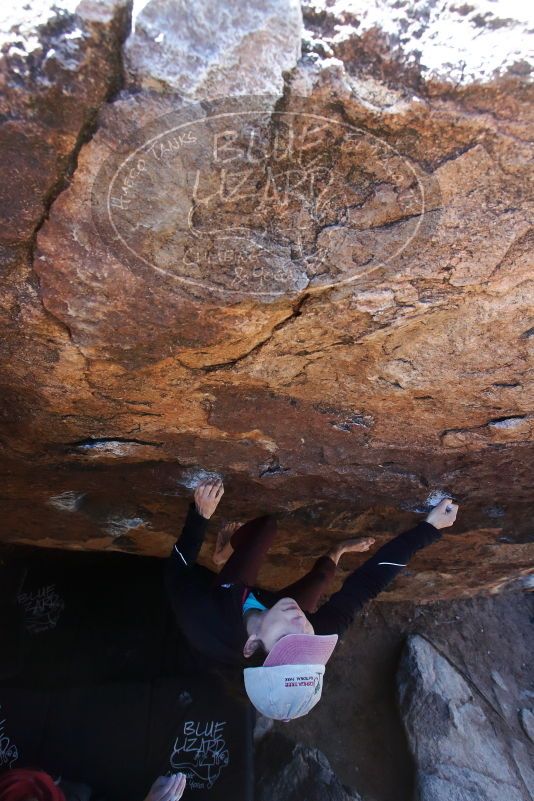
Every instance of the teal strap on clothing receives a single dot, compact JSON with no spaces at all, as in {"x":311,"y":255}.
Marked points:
{"x":252,"y":603}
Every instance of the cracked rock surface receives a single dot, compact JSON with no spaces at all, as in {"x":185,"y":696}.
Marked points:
{"x":295,"y":255}
{"x":457,"y":752}
{"x":290,"y":771}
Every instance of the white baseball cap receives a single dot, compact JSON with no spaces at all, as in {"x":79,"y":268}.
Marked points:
{"x":290,"y":681}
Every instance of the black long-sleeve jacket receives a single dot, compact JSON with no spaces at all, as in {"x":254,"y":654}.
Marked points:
{"x":212,"y":617}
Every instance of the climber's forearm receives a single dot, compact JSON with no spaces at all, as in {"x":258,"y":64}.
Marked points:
{"x":367,"y":581}
{"x":189,"y":543}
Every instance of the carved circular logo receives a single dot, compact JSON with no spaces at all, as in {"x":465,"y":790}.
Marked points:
{"x":239,"y":198}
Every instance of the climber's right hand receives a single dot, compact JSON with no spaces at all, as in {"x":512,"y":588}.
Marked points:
{"x":444,"y":514}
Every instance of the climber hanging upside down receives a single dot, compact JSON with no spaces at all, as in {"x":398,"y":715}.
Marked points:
{"x":231,"y":621}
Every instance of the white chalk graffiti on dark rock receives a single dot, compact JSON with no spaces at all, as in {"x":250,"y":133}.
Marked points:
{"x":9,"y":752}
{"x":201,"y":753}
{"x":42,"y":608}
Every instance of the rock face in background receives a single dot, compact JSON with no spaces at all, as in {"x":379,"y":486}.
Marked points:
{"x":487,"y":641}
{"x":458,"y":754}
{"x":286,"y":246}
{"x":291,"y":771}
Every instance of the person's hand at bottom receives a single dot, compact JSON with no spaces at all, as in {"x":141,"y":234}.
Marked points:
{"x":167,"y":788}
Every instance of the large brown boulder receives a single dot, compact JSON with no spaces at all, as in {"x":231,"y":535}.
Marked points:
{"x":297,"y":256}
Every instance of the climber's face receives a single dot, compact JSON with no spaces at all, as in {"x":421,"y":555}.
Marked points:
{"x":285,"y":617}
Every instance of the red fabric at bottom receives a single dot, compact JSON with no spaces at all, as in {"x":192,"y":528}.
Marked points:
{"x":20,"y":785}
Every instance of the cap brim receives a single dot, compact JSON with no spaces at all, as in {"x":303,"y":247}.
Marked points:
{"x":302,"y":649}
